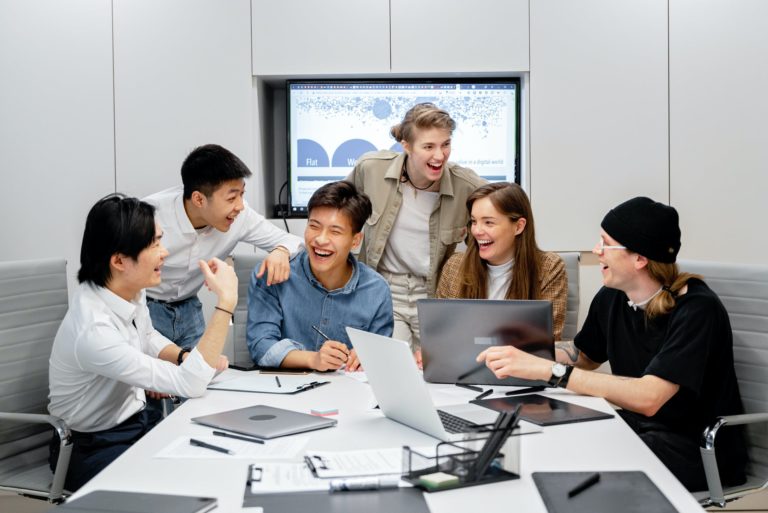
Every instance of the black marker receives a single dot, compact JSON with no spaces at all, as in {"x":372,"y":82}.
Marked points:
{"x":278,"y":382}
{"x":238,"y":437}
{"x":198,"y":443}
{"x":584,"y":485}
{"x":484,"y":394}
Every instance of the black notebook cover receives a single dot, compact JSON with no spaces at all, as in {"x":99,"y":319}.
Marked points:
{"x":544,"y":411}
{"x":625,"y":492}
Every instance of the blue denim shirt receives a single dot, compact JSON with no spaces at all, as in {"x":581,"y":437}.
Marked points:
{"x":280,"y":317}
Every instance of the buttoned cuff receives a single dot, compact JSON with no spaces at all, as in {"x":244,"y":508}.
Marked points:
{"x":276,"y":354}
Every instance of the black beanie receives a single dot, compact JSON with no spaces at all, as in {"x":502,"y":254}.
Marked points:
{"x":646,"y":227}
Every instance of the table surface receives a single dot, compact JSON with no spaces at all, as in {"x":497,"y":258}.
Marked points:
{"x":601,"y":445}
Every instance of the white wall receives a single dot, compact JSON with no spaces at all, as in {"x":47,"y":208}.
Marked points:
{"x":56,"y":124}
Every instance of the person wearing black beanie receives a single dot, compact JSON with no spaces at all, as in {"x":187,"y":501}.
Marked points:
{"x":667,"y":337}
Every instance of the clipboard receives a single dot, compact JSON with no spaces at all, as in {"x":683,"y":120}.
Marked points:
{"x":628,"y":492}
{"x":269,"y":384}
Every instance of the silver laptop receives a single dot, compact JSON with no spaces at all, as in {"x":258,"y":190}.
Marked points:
{"x":455,"y":331}
{"x":264,"y":421}
{"x":402,"y":393}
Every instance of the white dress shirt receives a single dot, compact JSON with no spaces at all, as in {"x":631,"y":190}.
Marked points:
{"x":182,"y":277}
{"x":105,"y":355}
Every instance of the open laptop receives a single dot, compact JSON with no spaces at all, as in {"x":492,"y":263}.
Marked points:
{"x":264,"y":421}
{"x":454,"y":331}
{"x":402,"y":393}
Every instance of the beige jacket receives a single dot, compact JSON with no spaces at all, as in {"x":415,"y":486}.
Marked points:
{"x":378,"y":175}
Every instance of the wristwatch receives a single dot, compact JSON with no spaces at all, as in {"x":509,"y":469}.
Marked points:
{"x":180,"y":358}
{"x":560,"y":375}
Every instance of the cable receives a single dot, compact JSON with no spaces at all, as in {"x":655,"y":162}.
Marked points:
{"x":284,"y":211}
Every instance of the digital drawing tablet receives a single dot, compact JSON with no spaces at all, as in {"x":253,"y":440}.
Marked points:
{"x":544,"y":411}
{"x":264,"y":421}
{"x":107,"y":501}
{"x":455,"y":331}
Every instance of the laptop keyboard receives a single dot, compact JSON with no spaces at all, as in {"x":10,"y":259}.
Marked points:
{"x":454,"y":424}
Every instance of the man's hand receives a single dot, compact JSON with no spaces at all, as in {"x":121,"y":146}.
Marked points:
{"x":506,"y":361}
{"x":277,"y":266}
{"x":220,"y":278}
{"x":222,"y":364}
{"x":353,"y":362}
{"x":332,"y":355}
{"x":418,"y":358}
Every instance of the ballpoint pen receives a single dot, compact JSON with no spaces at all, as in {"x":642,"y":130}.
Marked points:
{"x":326,"y":337}
{"x":238,"y":437}
{"x":587,"y":483}
{"x":313,"y":384}
{"x":484,"y":394}
{"x":279,"y":385}
{"x":199,"y":443}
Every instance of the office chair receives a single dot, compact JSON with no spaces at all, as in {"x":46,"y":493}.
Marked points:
{"x":743,"y":289}
{"x":571,"y":326}
{"x":244,"y":265}
{"x":33,"y":301}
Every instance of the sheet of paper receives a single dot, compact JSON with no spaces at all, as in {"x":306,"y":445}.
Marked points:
{"x":357,"y":376}
{"x":279,"y":449}
{"x":370,"y":462}
{"x":282,"y":477}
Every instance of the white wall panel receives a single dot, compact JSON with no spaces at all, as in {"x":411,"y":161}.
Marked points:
{"x":459,"y":36}
{"x":300,"y":37}
{"x":598,"y":113}
{"x":719,"y":134}
{"x":182,"y":79}
{"x":56,"y":124}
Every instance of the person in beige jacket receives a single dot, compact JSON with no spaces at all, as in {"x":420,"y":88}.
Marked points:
{"x":419,"y":210}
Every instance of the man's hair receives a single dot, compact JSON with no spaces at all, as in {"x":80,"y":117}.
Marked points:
{"x":343,"y":196}
{"x":115,"y":224}
{"x":207,"y":167}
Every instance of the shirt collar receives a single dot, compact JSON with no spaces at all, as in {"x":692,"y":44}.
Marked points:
{"x":348,"y":288}
{"x":395,"y":171}
{"x":126,"y":310}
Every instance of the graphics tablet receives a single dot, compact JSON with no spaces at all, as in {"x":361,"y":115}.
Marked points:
{"x":264,"y":421}
{"x":544,"y":411}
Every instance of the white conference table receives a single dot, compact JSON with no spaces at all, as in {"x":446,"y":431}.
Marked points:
{"x":601,"y":445}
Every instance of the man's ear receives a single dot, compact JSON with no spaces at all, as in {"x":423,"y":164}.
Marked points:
{"x":520,"y":226}
{"x":641,"y":262}
{"x":198,"y":199}
{"x":117,"y":261}
{"x":357,"y":239}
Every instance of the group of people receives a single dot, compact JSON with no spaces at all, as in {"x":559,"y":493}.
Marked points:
{"x":130,"y":336}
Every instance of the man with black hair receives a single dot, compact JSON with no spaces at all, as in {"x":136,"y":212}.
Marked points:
{"x":667,"y":337}
{"x":300,"y":323}
{"x":204,"y":218}
{"x":106,"y":352}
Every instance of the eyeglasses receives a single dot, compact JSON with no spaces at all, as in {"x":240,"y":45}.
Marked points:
{"x":601,"y":247}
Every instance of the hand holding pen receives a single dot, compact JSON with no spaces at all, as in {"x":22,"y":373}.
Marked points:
{"x":332,"y":354}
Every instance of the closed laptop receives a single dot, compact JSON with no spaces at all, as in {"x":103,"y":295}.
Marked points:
{"x":264,"y":421}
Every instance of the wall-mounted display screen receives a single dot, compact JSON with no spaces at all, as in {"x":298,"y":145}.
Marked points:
{"x":332,"y":123}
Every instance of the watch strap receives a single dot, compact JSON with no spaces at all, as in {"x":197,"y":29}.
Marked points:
{"x":180,"y":357}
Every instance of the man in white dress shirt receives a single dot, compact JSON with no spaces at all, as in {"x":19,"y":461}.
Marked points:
{"x":203,"y":219}
{"x":106,"y":352}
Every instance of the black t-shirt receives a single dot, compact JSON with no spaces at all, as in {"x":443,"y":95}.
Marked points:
{"x":692,"y":347}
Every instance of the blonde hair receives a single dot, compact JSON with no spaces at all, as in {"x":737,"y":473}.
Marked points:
{"x":421,"y":116}
{"x":672,"y":281}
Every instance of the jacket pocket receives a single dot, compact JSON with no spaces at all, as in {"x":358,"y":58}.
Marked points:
{"x":453,"y":235}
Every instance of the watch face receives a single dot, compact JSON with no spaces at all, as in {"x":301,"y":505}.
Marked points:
{"x":558,"y":369}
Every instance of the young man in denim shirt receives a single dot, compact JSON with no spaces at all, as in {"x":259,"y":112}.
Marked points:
{"x":300,"y":323}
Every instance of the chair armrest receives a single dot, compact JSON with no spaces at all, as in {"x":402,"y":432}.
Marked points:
{"x":716,"y":495}
{"x":56,"y":493}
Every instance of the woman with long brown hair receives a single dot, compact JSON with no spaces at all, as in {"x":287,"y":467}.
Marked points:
{"x":502,"y":260}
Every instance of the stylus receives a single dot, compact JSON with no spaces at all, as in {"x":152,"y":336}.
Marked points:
{"x":526,"y":390}
{"x":587,"y":483}
{"x":238,"y":437}
{"x":484,"y":394}
{"x":198,"y":443}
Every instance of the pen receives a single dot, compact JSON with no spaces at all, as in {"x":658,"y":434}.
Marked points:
{"x":364,"y":483}
{"x":278,"y":382}
{"x":470,"y":387}
{"x":238,"y":437}
{"x":484,"y":394}
{"x":526,"y":390}
{"x":326,"y":337}
{"x":587,"y":483}
{"x":198,"y":443}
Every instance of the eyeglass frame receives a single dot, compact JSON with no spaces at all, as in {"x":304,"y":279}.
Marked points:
{"x":601,"y":247}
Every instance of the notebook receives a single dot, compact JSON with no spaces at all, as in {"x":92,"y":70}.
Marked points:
{"x":627,"y":492}
{"x":107,"y":501}
{"x":454,"y":331}
{"x":544,"y":411}
{"x":264,"y":421}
